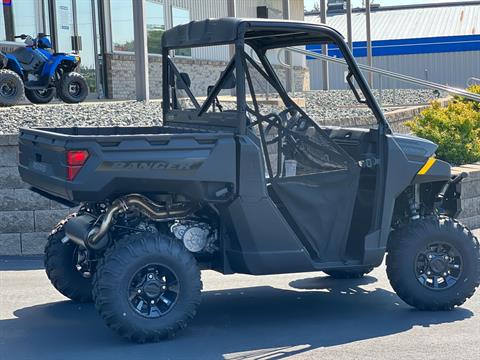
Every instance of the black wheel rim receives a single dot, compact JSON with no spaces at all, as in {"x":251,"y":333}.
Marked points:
{"x":153,"y":291}
{"x":8,"y":89}
{"x":439,"y":266}
{"x":43,"y":93}
{"x":74,"y":89}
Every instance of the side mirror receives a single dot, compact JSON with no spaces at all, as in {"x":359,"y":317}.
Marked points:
{"x":184,"y":82}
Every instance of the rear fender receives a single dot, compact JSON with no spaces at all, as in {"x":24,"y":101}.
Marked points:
{"x":3,"y":60}
{"x":14,"y":65}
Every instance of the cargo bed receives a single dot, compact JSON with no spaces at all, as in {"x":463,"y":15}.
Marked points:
{"x":122,"y":160}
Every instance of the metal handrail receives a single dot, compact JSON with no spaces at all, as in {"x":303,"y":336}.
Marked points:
{"x":288,"y":67}
{"x":405,"y":78}
{"x":472,"y":80}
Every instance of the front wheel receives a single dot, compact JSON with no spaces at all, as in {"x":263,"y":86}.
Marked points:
{"x":72,"y":88}
{"x":434,"y":263}
{"x":40,"y":96}
{"x":146,"y":287}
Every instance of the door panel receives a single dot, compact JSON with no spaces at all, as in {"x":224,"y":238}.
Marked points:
{"x":76,"y":18}
{"x":321,"y":206}
{"x":315,"y":188}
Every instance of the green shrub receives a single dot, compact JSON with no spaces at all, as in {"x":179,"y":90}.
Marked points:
{"x":455,"y":128}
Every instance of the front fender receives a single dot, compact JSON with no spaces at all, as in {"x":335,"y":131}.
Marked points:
{"x":55,"y":61}
{"x":432,"y":171}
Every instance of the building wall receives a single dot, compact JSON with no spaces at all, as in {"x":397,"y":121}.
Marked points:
{"x":452,"y":69}
{"x":206,"y":63}
{"x":200,"y":10}
{"x":121,"y":75}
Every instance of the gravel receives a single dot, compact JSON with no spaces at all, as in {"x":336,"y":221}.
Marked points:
{"x":345,"y":98}
{"x":109,"y":113}
{"x":324,"y":106}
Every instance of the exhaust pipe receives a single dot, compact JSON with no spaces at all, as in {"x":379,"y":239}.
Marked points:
{"x":85,"y":231}
{"x":77,"y":228}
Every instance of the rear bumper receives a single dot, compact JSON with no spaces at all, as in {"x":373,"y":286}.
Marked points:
{"x":45,"y":183}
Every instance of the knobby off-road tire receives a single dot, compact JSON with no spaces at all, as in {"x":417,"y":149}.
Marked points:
{"x":11,"y":88}
{"x":40,"y":96}
{"x":60,"y":267}
{"x":127,"y":267}
{"x":348,"y":274}
{"x":72,"y":88}
{"x":407,"y":254}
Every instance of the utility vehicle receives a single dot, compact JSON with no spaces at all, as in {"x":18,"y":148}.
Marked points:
{"x":241,"y":189}
{"x":36,"y":71}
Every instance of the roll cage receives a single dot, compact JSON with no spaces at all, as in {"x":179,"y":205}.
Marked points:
{"x":260,"y":35}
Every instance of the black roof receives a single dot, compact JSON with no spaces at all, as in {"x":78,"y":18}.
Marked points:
{"x":258,"y":33}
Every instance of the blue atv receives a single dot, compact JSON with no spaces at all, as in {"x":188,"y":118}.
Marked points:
{"x":37,"y":71}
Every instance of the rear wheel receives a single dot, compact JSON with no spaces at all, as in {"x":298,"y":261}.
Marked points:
{"x":61,"y":261}
{"x":11,"y":88}
{"x":147,"y":287}
{"x":434,"y":263}
{"x":72,"y":88}
{"x":40,"y":96}
{"x":348,"y":274}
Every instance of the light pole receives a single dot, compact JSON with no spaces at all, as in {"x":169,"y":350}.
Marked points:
{"x":142,"y":89}
{"x":369,"y":41}
{"x":349,"y":25}
{"x":323,"y":20}
{"x":288,"y":55}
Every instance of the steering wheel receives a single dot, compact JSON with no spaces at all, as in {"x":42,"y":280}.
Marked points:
{"x":286,"y":119}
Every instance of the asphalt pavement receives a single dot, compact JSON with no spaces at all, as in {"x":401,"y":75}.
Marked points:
{"x":298,"y":316}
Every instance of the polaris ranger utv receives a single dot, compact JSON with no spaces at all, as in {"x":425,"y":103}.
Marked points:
{"x":241,"y":189}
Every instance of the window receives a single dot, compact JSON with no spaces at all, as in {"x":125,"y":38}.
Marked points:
{"x":64,"y":18}
{"x":179,"y":17}
{"x":2,"y":27}
{"x":155,"y":26}
{"x":25,"y":17}
{"x":122,"y":25}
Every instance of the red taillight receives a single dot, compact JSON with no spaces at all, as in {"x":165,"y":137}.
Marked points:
{"x":75,"y":160}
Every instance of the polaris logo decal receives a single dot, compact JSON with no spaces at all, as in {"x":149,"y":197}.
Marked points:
{"x":181,"y":165}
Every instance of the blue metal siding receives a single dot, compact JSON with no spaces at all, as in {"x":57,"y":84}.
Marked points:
{"x":432,"y":45}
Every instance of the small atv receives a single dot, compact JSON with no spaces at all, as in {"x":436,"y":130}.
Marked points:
{"x":244,"y":189}
{"x":34,"y":70}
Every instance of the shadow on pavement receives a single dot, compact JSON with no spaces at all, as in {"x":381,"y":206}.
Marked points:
{"x":246,"y":323}
{"x":12,"y":263}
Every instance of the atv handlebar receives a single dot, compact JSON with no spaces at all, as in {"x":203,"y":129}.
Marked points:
{"x":23,"y":36}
